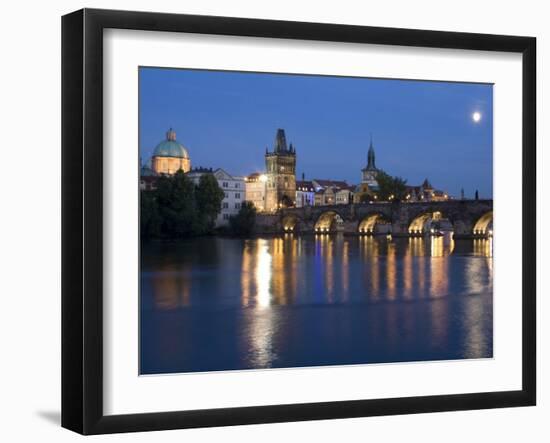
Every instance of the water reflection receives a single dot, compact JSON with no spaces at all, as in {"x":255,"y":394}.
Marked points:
{"x":256,"y":273}
{"x":324,"y":299}
{"x":278,"y":271}
{"x":172,"y":288}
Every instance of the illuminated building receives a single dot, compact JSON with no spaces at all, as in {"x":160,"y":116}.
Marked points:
{"x":331,"y":192}
{"x":326,"y":196}
{"x":344,"y":196}
{"x":305,"y":193}
{"x":425,"y":192}
{"x":281,"y":174}
{"x":170,"y":156}
{"x":255,"y":190}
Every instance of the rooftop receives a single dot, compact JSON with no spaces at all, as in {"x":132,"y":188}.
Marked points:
{"x":334,"y":183}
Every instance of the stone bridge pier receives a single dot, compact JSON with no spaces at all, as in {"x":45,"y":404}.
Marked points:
{"x":466,"y":218}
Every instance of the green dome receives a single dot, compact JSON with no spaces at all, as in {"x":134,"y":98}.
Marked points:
{"x":170,"y":147}
{"x":146,"y":171}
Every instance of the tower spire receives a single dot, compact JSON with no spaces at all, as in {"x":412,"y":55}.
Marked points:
{"x":280,"y":141}
{"x":371,"y":163}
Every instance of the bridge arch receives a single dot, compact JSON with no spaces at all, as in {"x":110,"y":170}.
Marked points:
{"x":292,"y":223}
{"x":329,"y":221}
{"x":429,"y":221}
{"x":368,"y":224}
{"x":484,"y":225}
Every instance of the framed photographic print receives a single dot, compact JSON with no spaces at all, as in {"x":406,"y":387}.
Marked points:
{"x":269,"y":221}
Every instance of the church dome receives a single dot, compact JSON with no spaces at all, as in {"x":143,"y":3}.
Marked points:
{"x":147,"y":171}
{"x":170,"y":147}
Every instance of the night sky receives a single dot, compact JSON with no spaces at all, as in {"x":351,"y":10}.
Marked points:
{"x":420,"y":129}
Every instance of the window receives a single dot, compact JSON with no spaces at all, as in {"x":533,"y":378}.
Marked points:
{"x":236,"y":185}
{"x":224,"y":185}
{"x":225,"y":205}
{"x":226,"y":195}
{"x":237,"y":206}
{"x":237,"y":195}
{"x":226,"y":216}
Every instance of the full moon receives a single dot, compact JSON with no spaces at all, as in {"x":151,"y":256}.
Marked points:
{"x":476,"y":117}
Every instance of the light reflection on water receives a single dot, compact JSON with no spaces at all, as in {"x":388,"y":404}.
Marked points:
{"x":303,"y":301}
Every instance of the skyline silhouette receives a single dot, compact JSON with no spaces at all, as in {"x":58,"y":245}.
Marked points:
{"x":442,"y":131}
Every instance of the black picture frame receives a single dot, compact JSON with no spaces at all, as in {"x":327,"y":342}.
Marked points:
{"x":82,"y":218}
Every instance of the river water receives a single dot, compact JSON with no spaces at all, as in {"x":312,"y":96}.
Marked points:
{"x":210,"y":304}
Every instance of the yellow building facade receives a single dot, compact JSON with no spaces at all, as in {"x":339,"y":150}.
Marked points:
{"x":255,"y":190}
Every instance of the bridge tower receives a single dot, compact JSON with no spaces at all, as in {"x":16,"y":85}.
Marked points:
{"x":281,"y":174}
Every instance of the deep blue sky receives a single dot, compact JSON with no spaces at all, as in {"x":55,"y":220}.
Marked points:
{"x":420,"y":129}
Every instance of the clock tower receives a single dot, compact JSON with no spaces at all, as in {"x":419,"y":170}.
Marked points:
{"x":370,"y":172}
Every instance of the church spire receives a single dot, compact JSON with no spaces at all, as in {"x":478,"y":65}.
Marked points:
{"x":371,"y":157}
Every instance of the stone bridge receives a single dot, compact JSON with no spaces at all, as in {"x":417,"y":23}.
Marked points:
{"x":466,"y":218}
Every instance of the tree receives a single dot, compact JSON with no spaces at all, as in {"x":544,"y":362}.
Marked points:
{"x":390,"y":188}
{"x":209,"y":197}
{"x":243,"y":222}
{"x":149,"y":216}
{"x":175,"y":197}
{"x":176,"y":208}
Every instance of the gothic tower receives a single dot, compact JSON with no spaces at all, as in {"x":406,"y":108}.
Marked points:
{"x":370,"y":172}
{"x":281,"y":174}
